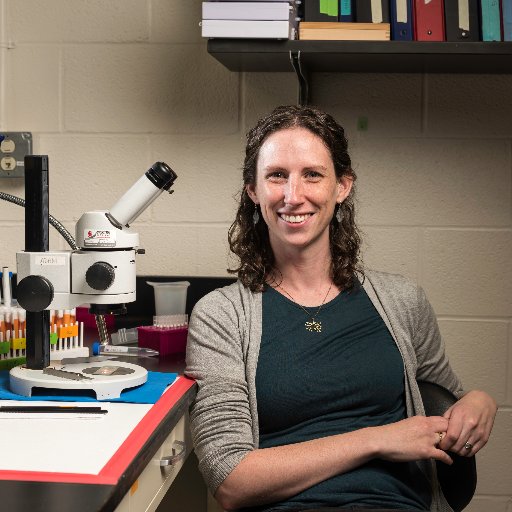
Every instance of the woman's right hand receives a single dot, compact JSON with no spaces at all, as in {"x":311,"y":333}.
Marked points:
{"x":414,"y":438}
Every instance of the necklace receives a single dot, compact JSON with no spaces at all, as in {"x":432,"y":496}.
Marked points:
{"x":312,"y":325}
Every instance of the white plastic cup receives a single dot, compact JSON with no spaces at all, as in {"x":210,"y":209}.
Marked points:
{"x":170,"y":297}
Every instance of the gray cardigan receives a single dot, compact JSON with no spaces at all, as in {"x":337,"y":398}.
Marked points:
{"x":222,"y":356}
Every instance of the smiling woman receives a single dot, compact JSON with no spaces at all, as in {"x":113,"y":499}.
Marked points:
{"x":297,"y":190}
{"x":307,"y":367}
{"x":309,"y":143}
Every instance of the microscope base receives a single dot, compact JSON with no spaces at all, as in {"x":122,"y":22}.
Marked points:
{"x":94,"y":376}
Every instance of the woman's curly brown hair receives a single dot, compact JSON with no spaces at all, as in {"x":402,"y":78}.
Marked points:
{"x":250,"y":242}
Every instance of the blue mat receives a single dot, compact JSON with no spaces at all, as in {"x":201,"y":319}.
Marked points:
{"x":147,"y":393}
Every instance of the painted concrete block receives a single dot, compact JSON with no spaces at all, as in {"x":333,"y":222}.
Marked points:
{"x":78,"y":21}
{"x":494,"y":475}
{"x":32,"y":89}
{"x":467,"y":272}
{"x":392,"y":250}
{"x":13,"y":240}
{"x":176,"y":22}
{"x":265,"y":91}
{"x":477,"y":106}
{"x":487,"y":504}
{"x":478,"y":352}
{"x":391,"y":103}
{"x":194,"y":250}
{"x":433,"y":182}
{"x":11,"y":211}
{"x":148,"y":89}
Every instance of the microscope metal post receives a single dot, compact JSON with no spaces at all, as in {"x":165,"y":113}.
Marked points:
{"x":101,"y":272}
{"x":37,"y":240}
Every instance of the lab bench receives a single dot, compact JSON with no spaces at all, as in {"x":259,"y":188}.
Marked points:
{"x":133,"y":479}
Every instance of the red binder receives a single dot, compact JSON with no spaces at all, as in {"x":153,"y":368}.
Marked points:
{"x":429,"y":20}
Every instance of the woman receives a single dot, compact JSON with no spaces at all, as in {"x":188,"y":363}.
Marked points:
{"x":307,"y":367}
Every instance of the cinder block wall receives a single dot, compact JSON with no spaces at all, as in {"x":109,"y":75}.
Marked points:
{"x":109,"y":87}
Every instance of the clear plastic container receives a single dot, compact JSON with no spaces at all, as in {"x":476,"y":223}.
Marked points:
{"x":170,"y":297}
{"x":124,"y":336}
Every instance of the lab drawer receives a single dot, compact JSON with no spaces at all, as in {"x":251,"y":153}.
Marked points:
{"x":157,"y":477}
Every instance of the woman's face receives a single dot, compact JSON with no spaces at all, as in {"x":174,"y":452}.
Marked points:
{"x":297,"y":188}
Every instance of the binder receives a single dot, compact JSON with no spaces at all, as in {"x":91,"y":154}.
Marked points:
{"x":347,"y":11}
{"x":506,"y":16}
{"x":372,"y":11}
{"x":402,"y":28}
{"x":321,"y":10}
{"x":429,"y":20}
{"x":462,"y":20}
{"x":490,"y":20}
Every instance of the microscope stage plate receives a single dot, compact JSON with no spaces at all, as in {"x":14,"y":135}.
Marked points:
{"x":105,"y":384}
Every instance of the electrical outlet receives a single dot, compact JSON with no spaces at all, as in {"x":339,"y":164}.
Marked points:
{"x":13,"y":148}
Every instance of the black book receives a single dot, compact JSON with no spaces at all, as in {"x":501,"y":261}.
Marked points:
{"x":364,"y":12}
{"x":314,"y":12}
{"x":462,"y":24}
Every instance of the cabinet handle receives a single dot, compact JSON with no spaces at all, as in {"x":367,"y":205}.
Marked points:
{"x":179,"y":450}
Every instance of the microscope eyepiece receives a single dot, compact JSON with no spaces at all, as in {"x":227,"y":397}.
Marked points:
{"x":161,"y":175}
{"x":143,"y":192}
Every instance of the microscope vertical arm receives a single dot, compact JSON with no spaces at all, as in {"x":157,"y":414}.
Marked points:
{"x":37,"y":240}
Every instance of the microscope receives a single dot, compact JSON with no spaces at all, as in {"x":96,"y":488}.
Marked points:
{"x":100,"y":271}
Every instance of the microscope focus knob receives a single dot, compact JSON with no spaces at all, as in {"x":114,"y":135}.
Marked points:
{"x":100,"y":275}
{"x":34,"y":293}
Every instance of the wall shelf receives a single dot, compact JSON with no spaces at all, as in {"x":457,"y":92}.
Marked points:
{"x":305,"y":57}
{"x":364,"y":56}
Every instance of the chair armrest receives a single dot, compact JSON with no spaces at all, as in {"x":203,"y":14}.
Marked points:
{"x":457,"y":481}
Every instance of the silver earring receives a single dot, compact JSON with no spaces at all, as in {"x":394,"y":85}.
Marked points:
{"x":255,"y":215}
{"x":339,"y":214}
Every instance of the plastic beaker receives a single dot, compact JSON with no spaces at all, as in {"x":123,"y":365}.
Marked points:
{"x":170,"y":297}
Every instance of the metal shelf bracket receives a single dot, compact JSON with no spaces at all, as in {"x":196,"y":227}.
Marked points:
{"x":301,"y":77}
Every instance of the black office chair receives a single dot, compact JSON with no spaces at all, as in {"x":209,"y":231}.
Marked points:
{"x":458,"y":481}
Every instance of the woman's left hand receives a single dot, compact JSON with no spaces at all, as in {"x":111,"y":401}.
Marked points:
{"x":470,"y":423}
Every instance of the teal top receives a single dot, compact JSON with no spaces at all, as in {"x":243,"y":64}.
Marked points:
{"x":344,"y":378}
{"x":223,"y":348}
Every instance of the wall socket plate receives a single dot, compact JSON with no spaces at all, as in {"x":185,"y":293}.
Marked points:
{"x":13,"y":148}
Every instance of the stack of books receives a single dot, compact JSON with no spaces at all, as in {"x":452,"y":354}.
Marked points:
{"x":270,"y":19}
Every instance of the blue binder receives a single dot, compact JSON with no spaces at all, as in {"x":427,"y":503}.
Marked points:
{"x":347,"y":11}
{"x":491,"y":20}
{"x":506,"y":11}
{"x":401,"y":20}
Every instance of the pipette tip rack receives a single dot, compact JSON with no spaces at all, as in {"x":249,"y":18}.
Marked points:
{"x":65,"y":341}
